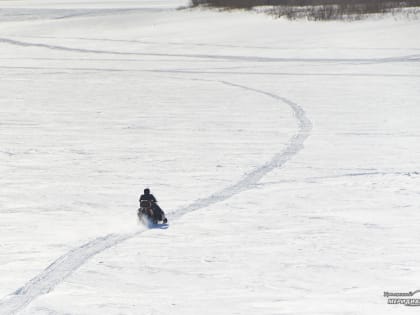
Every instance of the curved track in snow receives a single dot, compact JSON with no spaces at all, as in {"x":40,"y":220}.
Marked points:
{"x":64,"y":266}
{"x":405,"y":58}
{"x":293,"y":147}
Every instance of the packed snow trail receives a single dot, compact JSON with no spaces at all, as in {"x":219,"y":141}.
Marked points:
{"x":64,"y":266}
{"x":57,"y":272}
{"x":294,"y":146}
{"x":404,"y":58}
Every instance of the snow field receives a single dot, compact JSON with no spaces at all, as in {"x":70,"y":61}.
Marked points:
{"x":101,"y":99}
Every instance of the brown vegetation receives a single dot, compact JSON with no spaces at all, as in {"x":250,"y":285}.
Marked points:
{"x":315,"y":9}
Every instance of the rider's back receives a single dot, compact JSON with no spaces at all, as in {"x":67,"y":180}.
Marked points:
{"x":148,"y":197}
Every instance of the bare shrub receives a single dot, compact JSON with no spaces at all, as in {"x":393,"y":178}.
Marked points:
{"x":316,"y":9}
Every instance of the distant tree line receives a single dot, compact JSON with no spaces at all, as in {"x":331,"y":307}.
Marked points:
{"x":314,"y":9}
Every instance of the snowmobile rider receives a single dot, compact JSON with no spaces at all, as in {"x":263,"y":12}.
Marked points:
{"x":158,"y":212}
{"x":147,"y":196}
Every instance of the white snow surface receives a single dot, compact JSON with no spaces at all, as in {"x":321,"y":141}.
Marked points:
{"x":285,"y":153}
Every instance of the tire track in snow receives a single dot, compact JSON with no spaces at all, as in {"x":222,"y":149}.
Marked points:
{"x":251,"y":179}
{"x":68,"y":263}
{"x":59,"y":270}
{"x":407,"y":58}
{"x":222,"y":72}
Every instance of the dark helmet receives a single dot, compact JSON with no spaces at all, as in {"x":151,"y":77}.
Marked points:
{"x":146,"y":191}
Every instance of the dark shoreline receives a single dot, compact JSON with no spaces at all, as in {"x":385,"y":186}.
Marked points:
{"x":315,"y":9}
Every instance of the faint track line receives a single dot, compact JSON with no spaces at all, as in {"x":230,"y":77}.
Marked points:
{"x":202,"y":44}
{"x":68,"y":263}
{"x":223,"y":72}
{"x":408,"y":58}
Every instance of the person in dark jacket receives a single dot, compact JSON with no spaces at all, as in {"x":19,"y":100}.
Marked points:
{"x":158,"y":212}
{"x":147,"y":196}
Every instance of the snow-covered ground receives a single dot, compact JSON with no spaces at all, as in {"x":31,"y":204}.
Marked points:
{"x":286,"y":154}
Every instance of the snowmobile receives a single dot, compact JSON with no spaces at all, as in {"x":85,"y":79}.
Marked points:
{"x":148,"y":213}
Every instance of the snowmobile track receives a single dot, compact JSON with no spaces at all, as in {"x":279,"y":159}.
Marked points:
{"x":405,"y":58}
{"x":65,"y":265}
